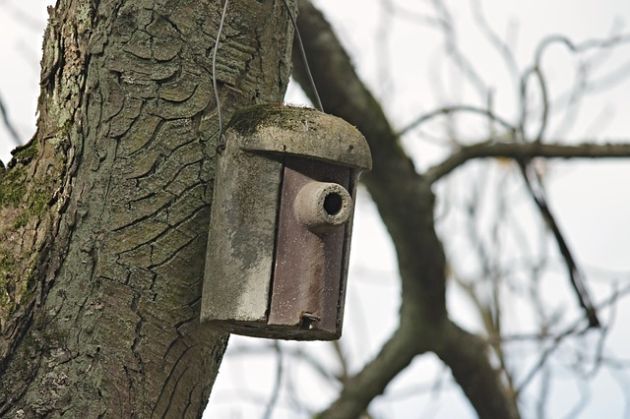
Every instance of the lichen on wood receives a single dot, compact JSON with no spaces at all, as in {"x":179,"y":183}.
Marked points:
{"x":105,"y":214}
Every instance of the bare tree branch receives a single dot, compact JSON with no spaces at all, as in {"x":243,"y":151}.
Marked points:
{"x":537,"y":192}
{"x":582,"y":402}
{"x":452,"y":49}
{"x":578,"y":47}
{"x":296,"y":353}
{"x":447,"y":110}
{"x":411,"y":15}
{"x":359,"y":391}
{"x":15,"y":137}
{"x":467,"y":355}
{"x":576,"y":326}
{"x":275,"y":393}
{"x":517,"y":151}
{"x":494,"y":39}
{"x":407,"y":211}
{"x":24,"y":18}
{"x":533,"y":180}
{"x":343,"y":362}
{"x":544,"y":93}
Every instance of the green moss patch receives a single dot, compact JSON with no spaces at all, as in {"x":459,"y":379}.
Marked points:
{"x":25,"y":153}
{"x":247,"y":120}
{"x":12,"y":187}
{"x":7,"y":269}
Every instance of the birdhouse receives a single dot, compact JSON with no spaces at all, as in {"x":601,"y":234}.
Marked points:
{"x":281,"y":222}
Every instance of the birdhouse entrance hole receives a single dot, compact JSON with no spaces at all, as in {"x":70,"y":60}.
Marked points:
{"x":333,"y":203}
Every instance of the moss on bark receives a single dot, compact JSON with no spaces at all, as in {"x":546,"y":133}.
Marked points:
{"x":105,"y":214}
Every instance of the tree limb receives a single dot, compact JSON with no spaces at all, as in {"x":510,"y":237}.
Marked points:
{"x":490,"y":149}
{"x":537,"y":192}
{"x":467,"y":356}
{"x":405,"y":202}
{"x":359,"y":391}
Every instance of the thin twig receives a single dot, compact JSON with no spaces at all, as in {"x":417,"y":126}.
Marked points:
{"x":578,"y":47}
{"x":494,"y":39}
{"x":296,"y":353}
{"x":582,"y":401}
{"x":582,"y":84}
{"x":545,"y":389}
{"x":605,"y":333}
{"x":411,"y":15}
{"x":575,"y":328}
{"x":318,"y":101}
{"x":15,"y":137}
{"x":28,"y":21}
{"x":343,"y":362}
{"x":452,"y":48}
{"x":534,"y":186}
{"x":557,"y":340}
{"x":544,"y":93}
{"x":275,"y":393}
{"x":447,"y":110}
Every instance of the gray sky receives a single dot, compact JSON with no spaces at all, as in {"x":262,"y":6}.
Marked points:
{"x":586,"y":196}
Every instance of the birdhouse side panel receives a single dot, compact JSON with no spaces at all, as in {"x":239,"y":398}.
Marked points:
{"x":241,"y":239}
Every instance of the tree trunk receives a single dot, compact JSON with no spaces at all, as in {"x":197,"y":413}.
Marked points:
{"x":104,"y":215}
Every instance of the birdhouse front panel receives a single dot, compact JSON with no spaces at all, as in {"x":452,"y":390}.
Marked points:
{"x":310,"y":260}
{"x":281,"y":221}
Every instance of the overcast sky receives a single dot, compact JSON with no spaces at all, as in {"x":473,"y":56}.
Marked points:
{"x":589,"y":198}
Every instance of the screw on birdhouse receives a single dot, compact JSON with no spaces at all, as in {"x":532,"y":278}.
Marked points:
{"x":309,"y":321}
{"x":281,"y":222}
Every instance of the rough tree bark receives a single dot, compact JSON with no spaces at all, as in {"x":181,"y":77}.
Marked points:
{"x":103,"y":216}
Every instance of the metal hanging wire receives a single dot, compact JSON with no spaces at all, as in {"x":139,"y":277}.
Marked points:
{"x":217,"y":42}
{"x":220,"y":144}
{"x":304,"y":59}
